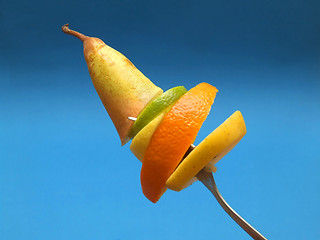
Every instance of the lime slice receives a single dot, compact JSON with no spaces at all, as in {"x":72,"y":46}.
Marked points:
{"x":155,"y":107}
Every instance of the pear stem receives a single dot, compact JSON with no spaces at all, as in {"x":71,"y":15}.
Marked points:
{"x":65,"y":28}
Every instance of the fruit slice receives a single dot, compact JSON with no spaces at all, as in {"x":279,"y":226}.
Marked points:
{"x":216,"y":145}
{"x":155,"y":107}
{"x":122,"y":88}
{"x":141,"y":141}
{"x":173,"y":137}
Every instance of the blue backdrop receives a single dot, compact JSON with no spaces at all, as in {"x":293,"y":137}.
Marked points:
{"x":63,"y":173}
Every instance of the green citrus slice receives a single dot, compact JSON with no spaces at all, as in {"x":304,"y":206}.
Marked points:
{"x":155,"y":107}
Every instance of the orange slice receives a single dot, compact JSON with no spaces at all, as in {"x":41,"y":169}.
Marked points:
{"x":173,"y":137}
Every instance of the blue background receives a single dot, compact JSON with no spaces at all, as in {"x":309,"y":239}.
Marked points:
{"x":63,"y":173}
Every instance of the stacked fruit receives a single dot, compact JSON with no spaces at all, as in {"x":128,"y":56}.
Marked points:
{"x":162,"y":126}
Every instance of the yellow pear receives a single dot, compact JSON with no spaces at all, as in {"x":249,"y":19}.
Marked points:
{"x":122,"y":88}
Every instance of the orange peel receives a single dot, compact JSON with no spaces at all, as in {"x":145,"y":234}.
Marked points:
{"x":172,"y":138}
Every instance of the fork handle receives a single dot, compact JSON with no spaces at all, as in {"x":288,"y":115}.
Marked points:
{"x":207,"y":179}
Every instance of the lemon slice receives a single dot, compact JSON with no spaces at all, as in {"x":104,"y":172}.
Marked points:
{"x":215,"y":146}
{"x":141,"y":141}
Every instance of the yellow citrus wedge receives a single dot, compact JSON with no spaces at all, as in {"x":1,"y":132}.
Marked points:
{"x":216,"y":145}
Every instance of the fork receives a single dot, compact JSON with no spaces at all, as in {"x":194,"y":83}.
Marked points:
{"x":207,"y":179}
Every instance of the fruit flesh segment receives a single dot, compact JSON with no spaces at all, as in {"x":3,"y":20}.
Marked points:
{"x":155,"y":107}
{"x":122,"y":88}
{"x":211,"y":149}
{"x":173,"y":137}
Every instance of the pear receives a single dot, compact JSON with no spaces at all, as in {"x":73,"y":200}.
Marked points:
{"x":122,"y":88}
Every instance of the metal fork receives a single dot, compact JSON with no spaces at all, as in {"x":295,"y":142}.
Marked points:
{"x":207,"y":179}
